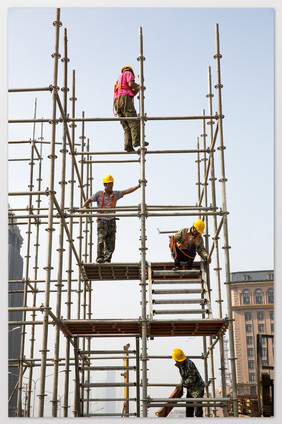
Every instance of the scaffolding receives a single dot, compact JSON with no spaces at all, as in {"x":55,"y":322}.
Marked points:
{"x":73,"y":325}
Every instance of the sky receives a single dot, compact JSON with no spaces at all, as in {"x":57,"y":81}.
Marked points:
{"x":179,"y":45}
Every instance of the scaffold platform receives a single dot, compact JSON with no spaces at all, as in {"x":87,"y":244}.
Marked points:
{"x":155,"y":328}
{"x":132,"y":271}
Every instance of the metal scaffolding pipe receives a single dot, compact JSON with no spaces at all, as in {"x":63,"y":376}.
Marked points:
{"x":60,"y":248}
{"x":138,"y":152}
{"x":225,"y":225}
{"x":57,"y":25}
{"x":143,"y":237}
{"x":19,"y":90}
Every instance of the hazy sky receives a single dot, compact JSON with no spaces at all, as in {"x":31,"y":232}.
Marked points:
{"x":179,"y":45}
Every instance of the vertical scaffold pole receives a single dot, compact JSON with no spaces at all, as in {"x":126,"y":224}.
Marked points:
{"x":60,"y":251}
{"x":217,"y":268}
{"x":143,"y":225}
{"x":36,"y":267}
{"x":27,"y":266}
{"x":65,"y":90}
{"x":50,"y":228}
{"x":225,"y":225}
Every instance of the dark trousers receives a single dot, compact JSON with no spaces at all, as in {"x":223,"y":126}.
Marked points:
{"x":198,"y":409}
{"x":180,"y":257}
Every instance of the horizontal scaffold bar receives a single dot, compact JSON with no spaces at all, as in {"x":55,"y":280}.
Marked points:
{"x":19,"y":90}
{"x":147,"y":152}
{"x":100,"y":352}
{"x":109,"y":399}
{"x":108,"y":384}
{"x":147,"y":118}
{"x":117,"y":368}
{"x":119,"y":215}
{"x":188,"y":400}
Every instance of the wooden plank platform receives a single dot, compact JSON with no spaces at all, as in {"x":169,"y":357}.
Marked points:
{"x":132,"y":271}
{"x":112,"y":271}
{"x":155,"y":328}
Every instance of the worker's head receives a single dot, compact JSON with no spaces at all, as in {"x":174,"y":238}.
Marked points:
{"x":178,"y":355}
{"x":127,"y":68}
{"x":108,"y":182}
{"x":198,"y":226}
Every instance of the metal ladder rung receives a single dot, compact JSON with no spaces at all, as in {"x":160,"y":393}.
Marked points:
{"x":177,"y":291}
{"x":180,"y":281}
{"x":178,"y":301}
{"x":179,"y":311}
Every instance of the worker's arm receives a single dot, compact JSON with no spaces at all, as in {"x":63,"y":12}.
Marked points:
{"x":131,"y":190}
{"x":134,"y":87}
{"x":86,"y":204}
{"x":201,"y":250}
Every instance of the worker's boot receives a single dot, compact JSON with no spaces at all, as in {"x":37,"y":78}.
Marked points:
{"x":100,"y":260}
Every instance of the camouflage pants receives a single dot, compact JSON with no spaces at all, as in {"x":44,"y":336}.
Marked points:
{"x":106,"y":238}
{"x":131,"y":128}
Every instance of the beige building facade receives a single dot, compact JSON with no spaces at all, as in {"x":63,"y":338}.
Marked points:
{"x":253,"y":313}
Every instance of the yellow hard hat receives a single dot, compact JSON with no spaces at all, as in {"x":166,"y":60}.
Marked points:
{"x":127,"y":68}
{"x":178,"y":355}
{"x":108,"y":179}
{"x":199,"y":225}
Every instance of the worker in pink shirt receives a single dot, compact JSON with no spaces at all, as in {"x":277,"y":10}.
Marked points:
{"x":124,"y":91}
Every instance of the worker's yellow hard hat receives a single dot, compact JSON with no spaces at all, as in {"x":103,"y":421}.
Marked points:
{"x":199,"y":225}
{"x":178,"y":355}
{"x":108,"y":179}
{"x":127,"y":68}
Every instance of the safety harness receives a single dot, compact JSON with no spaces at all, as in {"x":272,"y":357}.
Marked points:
{"x":118,"y":88}
{"x":172,"y":246}
{"x":112,"y":203}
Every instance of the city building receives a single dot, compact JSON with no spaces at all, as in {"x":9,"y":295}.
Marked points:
{"x":15,"y":298}
{"x":253,"y":312}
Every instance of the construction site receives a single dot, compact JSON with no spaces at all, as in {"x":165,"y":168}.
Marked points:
{"x":64,"y":346}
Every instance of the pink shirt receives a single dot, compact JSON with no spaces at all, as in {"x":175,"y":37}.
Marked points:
{"x":123,"y":80}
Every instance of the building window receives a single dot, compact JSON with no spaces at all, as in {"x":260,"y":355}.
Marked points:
{"x":248,"y":316}
{"x":272,"y":316}
{"x":264,"y":352}
{"x":261,"y":328}
{"x":249,"y":340}
{"x":270,"y":295}
{"x":246,"y":297}
{"x":263,"y":340}
{"x":250,"y":351}
{"x":248,"y":328}
{"x":253,"y":391}
{"x":264,"y":363}
{"x":246,"y":277}
{"x":272,"y":327}
{"x":252,"y":377}
{"x":258,"y":296}
{"x":269,"y":276}
{"x":251,"y":365}
{"x":260,"y":316}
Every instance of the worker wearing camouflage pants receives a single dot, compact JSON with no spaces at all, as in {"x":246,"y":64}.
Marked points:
{"x":106,"y":223}
{"x":106,"y":239}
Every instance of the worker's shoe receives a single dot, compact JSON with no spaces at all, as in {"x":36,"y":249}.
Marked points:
{"x":176,"y":268}
{"x":129,"y":149}
{"x":100,"y":260}
{"x":107,"y":261}
{"x":138,"y":144}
